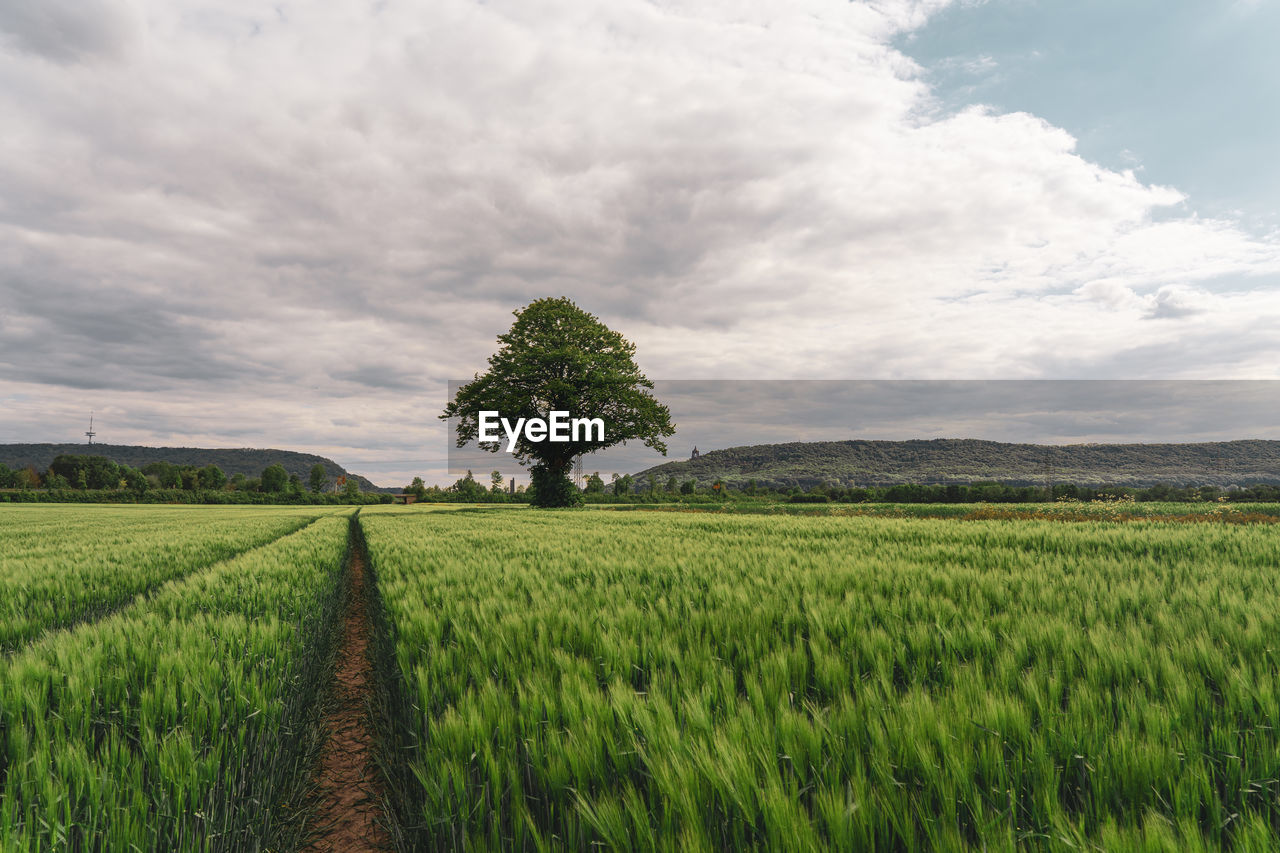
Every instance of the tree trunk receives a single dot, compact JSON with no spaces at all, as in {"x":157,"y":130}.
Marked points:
{"x":552,"y":486}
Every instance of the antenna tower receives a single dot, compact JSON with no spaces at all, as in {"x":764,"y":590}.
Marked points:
{"x":91,"y":433}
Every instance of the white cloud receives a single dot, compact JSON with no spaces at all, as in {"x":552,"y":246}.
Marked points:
{"x":320,"y":204}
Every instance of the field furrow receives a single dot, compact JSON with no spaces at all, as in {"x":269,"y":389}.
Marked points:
{"x":348,"y":815}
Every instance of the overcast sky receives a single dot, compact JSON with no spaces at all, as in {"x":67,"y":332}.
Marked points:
{"x":240,"y":224}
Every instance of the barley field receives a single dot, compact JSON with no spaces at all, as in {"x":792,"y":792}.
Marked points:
{"x":587,"y":679}
{"x":702,"y":682}
{"x":176,"y":722}
{"x":60,"y":564}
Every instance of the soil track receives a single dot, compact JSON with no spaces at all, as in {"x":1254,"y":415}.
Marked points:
{"x":348,"y":790}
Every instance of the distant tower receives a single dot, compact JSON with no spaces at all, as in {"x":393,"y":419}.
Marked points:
{"x":695,"y":454}
{"x":577,"y":471}
{"x":91,"y":433}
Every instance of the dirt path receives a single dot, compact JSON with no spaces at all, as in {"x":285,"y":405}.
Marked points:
{"x":348,"y":790}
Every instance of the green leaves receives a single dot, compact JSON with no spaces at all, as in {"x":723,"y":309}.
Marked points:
{"x":557,"y":357}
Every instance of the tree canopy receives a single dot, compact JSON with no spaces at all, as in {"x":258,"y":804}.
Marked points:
{"x":557,"y":357}
{"x":274,"y":478}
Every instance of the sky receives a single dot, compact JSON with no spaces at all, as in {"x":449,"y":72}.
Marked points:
{"x":289,"y":225}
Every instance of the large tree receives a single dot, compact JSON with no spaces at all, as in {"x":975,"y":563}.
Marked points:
{"x":557,"y":357}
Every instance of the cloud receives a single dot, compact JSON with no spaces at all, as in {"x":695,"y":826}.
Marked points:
{"x":312,"y":210}
{"x":67,"y":31}
{"x":1174,"y":302}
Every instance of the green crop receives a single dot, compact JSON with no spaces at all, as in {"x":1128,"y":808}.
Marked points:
{"x":1050,"y":679}
{"x":180,"y":721}
{"x":62,"y":564}
{"x":704,"y":682}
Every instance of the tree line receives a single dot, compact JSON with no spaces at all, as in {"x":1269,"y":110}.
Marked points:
{"x":649,"y":488}
{"x":73,"y":477}
{"x":468,"y":489}
{"x":96,"y":478}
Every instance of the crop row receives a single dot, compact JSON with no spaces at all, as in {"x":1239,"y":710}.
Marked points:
{"x":181,"y":721}
{"x":62,"y":564}
{"x":661,"y":681}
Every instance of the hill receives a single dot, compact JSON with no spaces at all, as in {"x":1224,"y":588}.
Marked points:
{"x":247,"y":461}
{"x":948,"y":460}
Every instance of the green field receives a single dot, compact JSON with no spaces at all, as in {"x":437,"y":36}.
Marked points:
{"x":177,"y":722}
{"x":589,"y":679}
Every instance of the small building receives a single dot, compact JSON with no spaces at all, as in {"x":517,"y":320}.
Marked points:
{"x":695,"y":453}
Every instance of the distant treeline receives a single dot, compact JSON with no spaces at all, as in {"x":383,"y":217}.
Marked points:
{"x":630,"y":489}
{"x":247,"y":461}
{"x":93,"y":479}
{"x":468,"y":490}
{"x":77,"y":478}
{"x":626,"y":490}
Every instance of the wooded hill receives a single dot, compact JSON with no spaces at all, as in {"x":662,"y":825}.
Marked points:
{"x":248,"y":461}
{"x":867,"y":463}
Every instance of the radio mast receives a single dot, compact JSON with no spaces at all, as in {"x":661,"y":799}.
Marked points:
{"x":91,"y":433}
